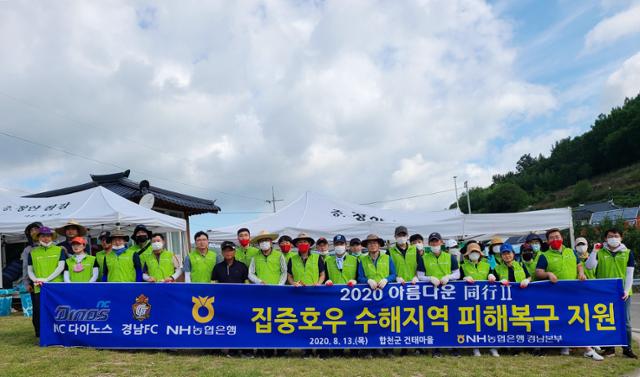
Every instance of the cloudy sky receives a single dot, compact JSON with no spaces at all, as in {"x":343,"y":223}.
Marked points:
{"x":360,"y":100}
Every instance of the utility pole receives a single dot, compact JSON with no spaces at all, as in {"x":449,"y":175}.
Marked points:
{"x":273,"y":199}
{"x":455,"y":185}
{"x":466,"y":186}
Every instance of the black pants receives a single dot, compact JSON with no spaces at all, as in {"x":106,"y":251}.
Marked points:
{"x":35,"y":315}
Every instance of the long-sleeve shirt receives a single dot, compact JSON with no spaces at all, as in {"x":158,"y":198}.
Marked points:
{"x":362,"y":278}
{"x":256,"y":280}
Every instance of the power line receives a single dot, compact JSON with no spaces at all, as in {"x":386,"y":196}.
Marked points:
{"x":406,"y":197}
{"x":61,"y":150}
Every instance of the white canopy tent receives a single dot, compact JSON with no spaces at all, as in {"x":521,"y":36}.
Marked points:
{"x":321,"y":216}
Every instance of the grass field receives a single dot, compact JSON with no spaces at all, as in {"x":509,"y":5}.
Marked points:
{"x":21,"y":356}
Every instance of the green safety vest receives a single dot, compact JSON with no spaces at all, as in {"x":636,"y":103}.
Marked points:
{"x":160,"y":268}
{"x":120,"y":269}
{"x":478,"y":271}
{"x":531,"y":265}
{"x":85,"y":275}
{"x":562,"y":264}
{"x":268,"y":268}
{"x":437,"y":267}
{"x":612,"y":265}
{"x":202,"y":266}
{"x":349,"y":269}
{"x":406,"y":265}
{"x":308,"y":272}
{"x":44,"y":261}
{"x":378,"y":271}
{"x":100,"y":255}
{"x":244,"y":254}
{"x":518,"y":271}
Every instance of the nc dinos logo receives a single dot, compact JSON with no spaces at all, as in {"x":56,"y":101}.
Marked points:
{"x":201,"y":304}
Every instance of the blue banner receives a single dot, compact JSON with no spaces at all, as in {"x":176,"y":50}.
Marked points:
{"x":144,"y":315}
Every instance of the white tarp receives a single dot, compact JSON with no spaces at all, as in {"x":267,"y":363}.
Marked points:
{"x":96,"y":208}
{"x":318,"y":215}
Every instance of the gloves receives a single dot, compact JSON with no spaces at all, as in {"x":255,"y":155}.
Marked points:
{"x":444,"y":280}
{"x":491,"y":278}
{"x":524,"y":283}
{"x":400,"y":280}
{"x":351,"y":283}
{"x":372,"y":283}
{"x":328,"y":283}
{"x":469,"y":279}
{"x":414,"y":281}
{"x":434,"y":281}
{"x":504,"y":282}
{"x":382,"y":284}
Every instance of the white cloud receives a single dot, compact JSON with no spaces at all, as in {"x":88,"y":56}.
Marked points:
{"x":360,"y":100}
{"x":613,"y":28}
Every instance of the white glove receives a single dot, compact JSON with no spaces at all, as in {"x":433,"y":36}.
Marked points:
{"x":382,"y":283}
{"x":351,"y":283}
{"x":469,"y":279}
{"x":414,"y":281}
{"x":400,"y":280}
{"x":444,"y":280}
{"x":328,"y":283}
{"x":504,"y":282}
{"x":491,"y":278}
{"x":524,"y":283}
{"x":372,"y":283}
{"x":434,"y":281}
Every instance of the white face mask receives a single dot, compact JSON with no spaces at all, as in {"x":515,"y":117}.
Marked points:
{"x":496,"y":249}
{"x":340,"y":250}
{"x":265,"y":245}
{"x":401,"y":240}
{"x":420,"y":246}
{"x":581,"y":248}
{"x":435,"y":249}
{"x":157,"y":245}
{"x":46,"y":244}
{"x":474,"y":257}
{"x":613,"y":242}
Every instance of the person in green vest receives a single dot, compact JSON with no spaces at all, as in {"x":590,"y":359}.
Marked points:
{"x":417,"y":241}
{"x":475,"y":268}
{"x":245,"y":251}
{"x":121,"y":265}
{"x":105,"y":242}
{"x":269,"y":266}
{"x":405,"y":257}
{"x":161,"y":266}
{"x":438,"y":267}
{"x":45,"y":263}
{"x":80,"y":267}
{"x":342,"y":268}
{"x":305,"y":268}
{"x":613,"y":260}
{"x":142,"y":242}
{"x":560,"y":263}
{"x":285,"y":244}
{"x":375,"y":269}
{"x":199,"y":263}
{"x":582,"y":252}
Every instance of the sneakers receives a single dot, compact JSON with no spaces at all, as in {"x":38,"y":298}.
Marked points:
{"x":476,"y":352}
{"x":629,"y":353}
{"x":592,"y":354}
{"x":564,"y":351}
{"x":494,"y":352}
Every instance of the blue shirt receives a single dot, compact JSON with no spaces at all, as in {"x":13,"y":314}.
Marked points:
{"x":362,"y":278}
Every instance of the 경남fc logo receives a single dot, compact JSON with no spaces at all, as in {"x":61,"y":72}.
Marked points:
{"x":202,"y":303}
{"x":141,"y":308}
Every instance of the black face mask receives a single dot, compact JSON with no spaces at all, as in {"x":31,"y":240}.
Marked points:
{"x":527,"y":256}
{"x":141,"y":239}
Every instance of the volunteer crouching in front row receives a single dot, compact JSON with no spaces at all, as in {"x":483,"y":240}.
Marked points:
{"x":80,"y":267}
{"x":45,"y":264}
